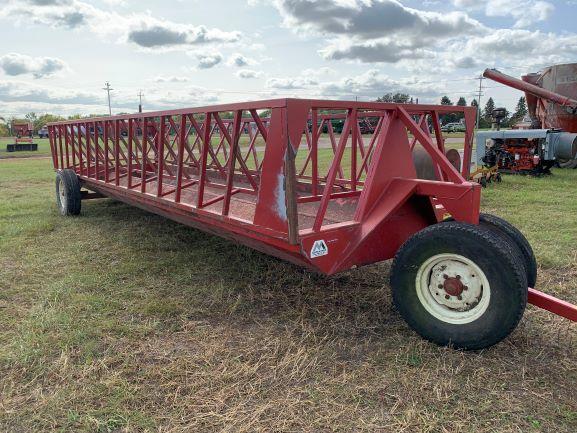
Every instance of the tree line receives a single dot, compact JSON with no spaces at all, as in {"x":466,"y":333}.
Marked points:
{"x":38,"y":121}
{"x":485,"y":119}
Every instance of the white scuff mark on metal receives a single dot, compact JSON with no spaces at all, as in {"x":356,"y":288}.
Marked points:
{"x":280,"y":197}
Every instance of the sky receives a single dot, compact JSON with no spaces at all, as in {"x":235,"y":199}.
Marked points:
{"x":57,"y":55}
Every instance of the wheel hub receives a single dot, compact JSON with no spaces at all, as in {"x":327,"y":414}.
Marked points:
{"x":455,"y":284}
{"x":453,"y":288}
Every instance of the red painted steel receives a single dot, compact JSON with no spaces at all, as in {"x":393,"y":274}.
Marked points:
{"x":276,"y":175}
{"x":551,"y":95}
{"x":553,"y":304}
{"x":23,"y":131}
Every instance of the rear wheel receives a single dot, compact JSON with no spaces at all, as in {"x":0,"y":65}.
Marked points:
{"x":459,"y":284}
{"x":513,"y":234}
{"x":68,"y":196}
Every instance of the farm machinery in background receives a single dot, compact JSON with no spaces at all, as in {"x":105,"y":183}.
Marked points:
{"x":22,"y":131}
{"x":552,"y":137}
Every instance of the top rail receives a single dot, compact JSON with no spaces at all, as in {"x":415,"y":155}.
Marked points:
{"x":274,"y":103}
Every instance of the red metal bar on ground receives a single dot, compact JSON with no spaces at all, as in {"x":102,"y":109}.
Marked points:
{"x":553,"y":304}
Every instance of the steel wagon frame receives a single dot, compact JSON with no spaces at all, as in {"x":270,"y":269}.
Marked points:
{"x":265,"y":174}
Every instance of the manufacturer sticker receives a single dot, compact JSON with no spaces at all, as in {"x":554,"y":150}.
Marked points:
{"x":319,"y":249}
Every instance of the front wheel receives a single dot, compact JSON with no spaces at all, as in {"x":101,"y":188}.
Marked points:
{"x":457,"y":284}
{"x":68,"y":197}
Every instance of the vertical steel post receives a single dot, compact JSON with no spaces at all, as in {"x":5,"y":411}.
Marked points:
{"x":206,"y":142}
{"x":61,"y":150}
{"x":144,"y":155}
{"x":87,"y":145}
{"x":129,"y":152}
{"x":116,"y":152}
{"x":180,"y":157}
{"x":290,"y":195}
{"x":314,"y":151}
{"x":354,"y":139}
{"x":61,"y":130}
{"x":52,"y":140}
{"x":231,"y":161}
{"x":96,"y":152}
{"x":106,"y":150}
{"x":160,"y":154}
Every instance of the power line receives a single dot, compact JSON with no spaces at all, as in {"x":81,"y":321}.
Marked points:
{"x":108,"y":89}
{"x":481,"y":78}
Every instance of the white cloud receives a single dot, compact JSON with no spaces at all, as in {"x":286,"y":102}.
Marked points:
{"x":140,"y":29}
{"x":17,"y":91}
{"x":208,"y":60}
{"x":524,"y":12}
{"x":170,"y":79}
{"x":514,"y":47}
{"x":239,"y":60}
{"x":39,"y":67}
{"x":370,"y":84}
{"x":378,"y":50}
{"x":377,"y":30}
{"x":153,"y":33}
{"x":18,"y":98}
{"x":248,"y":73}
{"x":370,"y":19}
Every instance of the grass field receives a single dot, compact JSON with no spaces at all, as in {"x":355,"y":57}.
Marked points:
{"x":43,"y":148}
{"x":122,"y":321}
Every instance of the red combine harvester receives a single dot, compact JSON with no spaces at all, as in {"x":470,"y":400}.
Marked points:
{"x":552,"y":139}
{"x":23,"y":132}
{"x":328,"y":202}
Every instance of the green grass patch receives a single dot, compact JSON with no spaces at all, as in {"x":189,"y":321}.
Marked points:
{"x":123,"y":321}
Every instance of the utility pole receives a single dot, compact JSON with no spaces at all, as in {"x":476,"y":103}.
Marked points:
{"x":140,"y":95}
{"x":479,"y":100}
{"x":108,"y":89}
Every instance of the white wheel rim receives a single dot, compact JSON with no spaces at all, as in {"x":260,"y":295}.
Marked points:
{"x":453,"y":288}
{"x":62,"y":193}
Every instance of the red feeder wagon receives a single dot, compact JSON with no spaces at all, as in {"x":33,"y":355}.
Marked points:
{"x":329,"y":202}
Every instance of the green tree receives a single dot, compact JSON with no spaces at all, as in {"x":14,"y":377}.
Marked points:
{"x":448,"y":118}
{"x":4,"y":132}
{"x":446,"y":101}
{"x":488,"y":111}
{"x":520,"y":110}
{"x":398,"y":98}
{"x":44,"y":119}
{"x":31,"y":117}
{"x":461,"y":103}
{"x":482,"y":122}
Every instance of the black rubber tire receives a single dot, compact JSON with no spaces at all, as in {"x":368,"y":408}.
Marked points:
{"x":69,"y":199}
{"x":493,"y":222}
{"x":492,"y":254}
{"x":512,"y":235}
{"x":568,"y":163}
